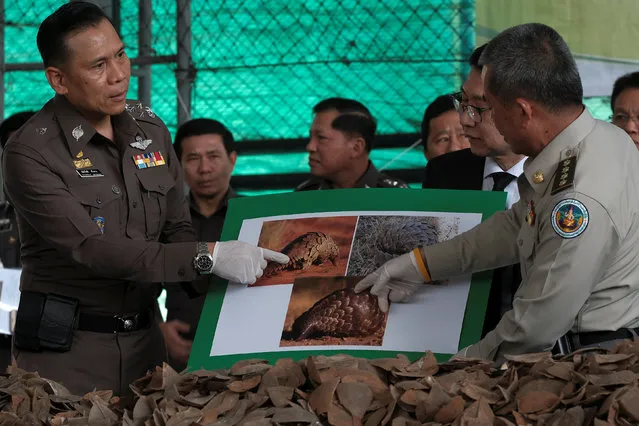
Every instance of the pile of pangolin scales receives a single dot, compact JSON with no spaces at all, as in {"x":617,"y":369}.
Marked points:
{"x":587,"y":387}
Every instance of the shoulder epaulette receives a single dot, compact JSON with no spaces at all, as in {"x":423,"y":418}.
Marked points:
{"x":142,"y":112}
{"x":565,"y":175}
{"x":308,"y":185}
{"x":388,"y":182}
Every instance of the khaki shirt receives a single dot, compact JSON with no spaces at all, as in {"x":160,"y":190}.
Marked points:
{"x":371,"y":179}
{"x":105,"y":237}
{"x":575,"y":233}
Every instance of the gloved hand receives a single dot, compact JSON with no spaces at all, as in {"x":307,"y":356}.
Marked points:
{"x":396,"y":280}
{"x":240,"y":262}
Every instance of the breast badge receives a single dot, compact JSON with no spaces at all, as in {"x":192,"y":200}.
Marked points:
{"x":99,"y":221}
{"x":569,"y":218}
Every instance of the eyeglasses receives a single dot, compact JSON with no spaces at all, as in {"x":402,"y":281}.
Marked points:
{"x":463,"y":107}
{"x":622,"y":119}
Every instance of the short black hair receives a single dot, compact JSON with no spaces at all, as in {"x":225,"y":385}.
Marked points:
{"x":12,"y":124}
{"x":474,"y":57}
{"x":354,"y":118}
{"x":532,"y":61}
{"x":626,"y":81}
{"x":68,"y":18}
{"x":203,"y":126}
{"x":439,"y":106}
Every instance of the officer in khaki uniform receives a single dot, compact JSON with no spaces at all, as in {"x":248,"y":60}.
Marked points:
{"x":342,"y":135}
{"x":574,"y":231}
{"x":102,"y":214}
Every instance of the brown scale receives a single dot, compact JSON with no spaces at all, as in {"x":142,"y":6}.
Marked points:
{"x":312,"y":248}
{"x":342,"y":313}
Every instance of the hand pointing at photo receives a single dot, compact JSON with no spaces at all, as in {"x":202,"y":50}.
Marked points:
{"x":244,"y":263}
{"x":395,"y":280}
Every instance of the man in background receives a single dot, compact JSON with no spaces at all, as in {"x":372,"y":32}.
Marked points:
{"x":9,"y":238}
{"x":488,"y":165}
{"x":624,"y":102}
{"x":206,"y":150}
{"x":342,"y":135}
{"x":441,"y":129}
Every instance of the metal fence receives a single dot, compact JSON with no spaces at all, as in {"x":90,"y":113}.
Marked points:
{"x":260,"y":65}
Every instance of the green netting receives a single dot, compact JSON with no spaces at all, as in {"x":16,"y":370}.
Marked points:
{"x":261,"y":65}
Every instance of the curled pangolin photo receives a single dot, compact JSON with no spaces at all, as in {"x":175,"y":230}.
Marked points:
{"x":342,"y":313}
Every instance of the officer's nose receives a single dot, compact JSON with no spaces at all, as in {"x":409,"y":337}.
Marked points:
{"x":631,"y":127}
{"x":119,"y":71}
{"x":311,"y":146}
{"x":465,"y":119}
{"x":458,"y":141}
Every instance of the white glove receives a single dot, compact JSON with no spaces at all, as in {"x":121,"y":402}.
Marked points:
{"x":241,"y":262}
{"x":396,"y":280}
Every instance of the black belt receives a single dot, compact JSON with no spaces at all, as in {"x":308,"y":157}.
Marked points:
{"x":118,"y":323}
{"x":593,"y":337}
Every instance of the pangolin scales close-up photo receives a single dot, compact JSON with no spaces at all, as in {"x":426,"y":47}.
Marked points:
{"x":343,"y":313}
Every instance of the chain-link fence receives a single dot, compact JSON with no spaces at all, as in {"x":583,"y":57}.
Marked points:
{"x":262,"y":65}
{"x":259,"y":66}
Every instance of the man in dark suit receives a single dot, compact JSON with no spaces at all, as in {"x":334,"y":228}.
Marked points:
{"x":488,"y":165}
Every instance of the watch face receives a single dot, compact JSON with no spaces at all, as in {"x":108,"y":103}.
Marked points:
{"x":203,"y":263}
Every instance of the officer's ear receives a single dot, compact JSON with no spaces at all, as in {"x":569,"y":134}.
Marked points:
{"x":233,"y":159}
{"x":525,"y":109}
{"x":358,"y":145}
{"x":56,"y":79}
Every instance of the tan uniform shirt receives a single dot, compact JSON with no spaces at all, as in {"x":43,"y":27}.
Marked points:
{"x":93,"y":225}
{"x":576,"y":235}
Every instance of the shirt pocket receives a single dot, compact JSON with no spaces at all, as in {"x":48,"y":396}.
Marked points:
{"x":155,"y":186}
{"x":102,"y":206}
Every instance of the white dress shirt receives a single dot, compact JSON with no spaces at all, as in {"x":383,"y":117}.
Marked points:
{"x":512,"y":189}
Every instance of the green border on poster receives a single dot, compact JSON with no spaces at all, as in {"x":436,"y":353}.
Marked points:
{"x":484,"y":202}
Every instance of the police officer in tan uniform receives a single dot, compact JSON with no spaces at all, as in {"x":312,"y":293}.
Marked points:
{"x":574,"y":231}
{"x":342,"y":136}
{"x":102,"y":214}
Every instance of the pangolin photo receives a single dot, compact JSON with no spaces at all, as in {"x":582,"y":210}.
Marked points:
{"x":311,"y":248}
{"x":343,"y":313}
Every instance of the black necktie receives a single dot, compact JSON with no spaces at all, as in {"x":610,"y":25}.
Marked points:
{"x":501,"y":180}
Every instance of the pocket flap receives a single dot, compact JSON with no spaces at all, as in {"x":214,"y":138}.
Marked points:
{"x":90,"y":195}
{"x":156,"y":179}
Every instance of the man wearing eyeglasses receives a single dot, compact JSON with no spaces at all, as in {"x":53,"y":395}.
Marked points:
{"x":488,"y":165}
{"x":624,"y":102}
{"x":574,"y":230}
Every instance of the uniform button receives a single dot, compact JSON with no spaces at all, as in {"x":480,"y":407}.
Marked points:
{"x":98,"y":200}
{"x":135,"y":204}
{"x":181,"y":272}
{"x":520,"y":241}
{"x":161,"y":187}
{"x":115,"y":190}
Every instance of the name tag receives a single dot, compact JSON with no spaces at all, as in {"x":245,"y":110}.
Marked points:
{"x":90,"y":173}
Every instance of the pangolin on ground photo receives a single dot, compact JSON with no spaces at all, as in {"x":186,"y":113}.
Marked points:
{"x":311,"y":248}
{"x":342,"y":313}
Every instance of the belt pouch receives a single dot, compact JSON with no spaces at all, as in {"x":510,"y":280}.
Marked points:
{"x":25,"y":334}
{"x":58,"y":322}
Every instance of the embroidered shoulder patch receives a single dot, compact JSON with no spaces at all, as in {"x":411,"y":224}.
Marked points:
{"x":569,"y":218}
{"x":565,"y":175}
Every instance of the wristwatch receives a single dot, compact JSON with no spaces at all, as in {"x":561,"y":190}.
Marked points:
{"x":203,"y":261}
